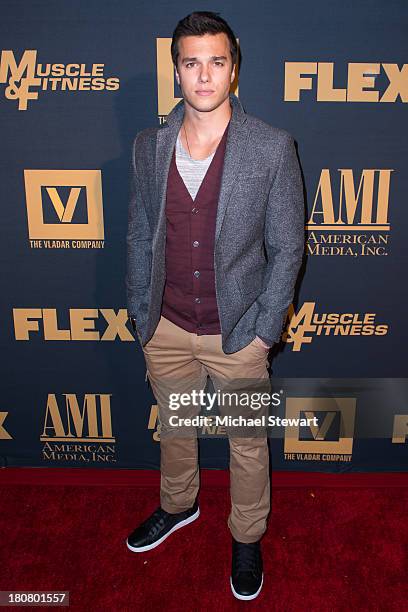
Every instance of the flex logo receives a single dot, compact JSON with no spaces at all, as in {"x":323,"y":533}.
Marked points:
{"x":81,"y":326}
{"x":22,"y":78}
{"x":64,"y":208}
{"x":360,"y":82}
{"x":331,"y":439}
{"x":306,"y":323}
{"x":166,"y":100}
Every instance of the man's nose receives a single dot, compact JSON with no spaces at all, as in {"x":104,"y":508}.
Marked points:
{"x":204,"y":75}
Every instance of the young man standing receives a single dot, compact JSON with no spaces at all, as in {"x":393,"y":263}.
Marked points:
{"x":214,"y":244}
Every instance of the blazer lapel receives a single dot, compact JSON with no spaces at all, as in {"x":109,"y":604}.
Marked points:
{"x":234,"y":151}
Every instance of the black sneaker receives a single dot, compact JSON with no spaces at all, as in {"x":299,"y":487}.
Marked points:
{"x":154,"y":530}
{"x":247,"y":576}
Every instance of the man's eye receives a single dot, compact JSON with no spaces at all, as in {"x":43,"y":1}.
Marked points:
{"x":190,"y":64}
{"x":219,"y":63}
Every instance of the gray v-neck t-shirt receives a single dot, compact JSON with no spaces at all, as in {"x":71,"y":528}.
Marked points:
{"x":192,"y":171}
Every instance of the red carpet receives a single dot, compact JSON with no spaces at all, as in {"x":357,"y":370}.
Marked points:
{"x":328,"y":548}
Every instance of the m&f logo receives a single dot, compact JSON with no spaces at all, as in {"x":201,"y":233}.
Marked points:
{"x":331,"y":439}
{"x":26,"y":79}
{"x":74,"y":433}
{"x":64,"y":208}
{"x":166,"y":81}
{"x":306,"y":324}
{"x":360,"y":82}
{"x":356,"y":221}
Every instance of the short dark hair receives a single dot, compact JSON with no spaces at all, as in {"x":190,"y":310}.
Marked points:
{"x":199,"y":23}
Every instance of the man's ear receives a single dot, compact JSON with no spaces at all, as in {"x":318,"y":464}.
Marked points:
{"x":233,"y":74}
{"x":177,"y":75}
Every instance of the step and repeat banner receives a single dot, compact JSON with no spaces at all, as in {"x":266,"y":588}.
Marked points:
{"x":78,"y":80}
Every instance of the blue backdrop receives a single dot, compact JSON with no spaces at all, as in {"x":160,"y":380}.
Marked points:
{"x":77,"y":82}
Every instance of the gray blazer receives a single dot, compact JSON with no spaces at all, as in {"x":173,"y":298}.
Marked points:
{"x":259,"y":235}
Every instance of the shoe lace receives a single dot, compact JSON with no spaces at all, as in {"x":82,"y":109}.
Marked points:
{"x":246,"y":557}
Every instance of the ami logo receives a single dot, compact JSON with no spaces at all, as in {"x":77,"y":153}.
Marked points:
{"x":64,"y":204}
{"x":66,"y":421}
{"x":361,"y":208}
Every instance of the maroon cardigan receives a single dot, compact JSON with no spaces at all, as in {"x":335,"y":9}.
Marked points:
{"x":189,"y":298}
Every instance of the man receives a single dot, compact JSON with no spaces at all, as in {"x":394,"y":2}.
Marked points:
{"x":214,"y":244}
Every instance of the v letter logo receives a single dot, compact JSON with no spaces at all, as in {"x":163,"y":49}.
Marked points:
{"x":64,"y":214}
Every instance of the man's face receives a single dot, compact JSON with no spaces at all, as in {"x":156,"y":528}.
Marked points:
{"x":204,"y":70}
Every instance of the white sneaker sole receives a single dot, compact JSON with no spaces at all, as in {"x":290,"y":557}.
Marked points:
{"x":245,"y":597}
{"x":179,"y":525}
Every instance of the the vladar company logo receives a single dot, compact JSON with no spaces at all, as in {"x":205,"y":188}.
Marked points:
{"x":349,"y":219}
{"x":306,"y":324}
{"x":72,"y":433}
{"x":64,"y":209}
{"x":331,"y":439}
{"x":26,"y":79}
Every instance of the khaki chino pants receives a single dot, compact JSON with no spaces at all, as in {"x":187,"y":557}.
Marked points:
{"x":180,"y":361}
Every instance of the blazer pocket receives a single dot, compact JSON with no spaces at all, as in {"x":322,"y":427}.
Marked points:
{"x":249,"y":176}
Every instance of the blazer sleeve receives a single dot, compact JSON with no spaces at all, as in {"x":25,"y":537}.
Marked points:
{"x":139,"y":242}
{"x":284,"y":243}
